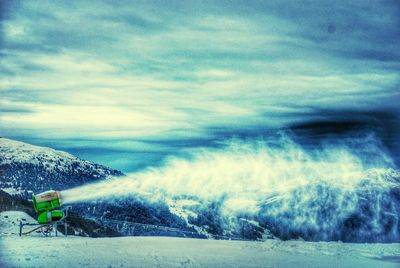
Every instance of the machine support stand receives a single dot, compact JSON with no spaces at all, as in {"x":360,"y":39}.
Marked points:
{"x":47,"y":229}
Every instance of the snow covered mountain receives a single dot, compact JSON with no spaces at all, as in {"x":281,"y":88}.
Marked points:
{"x":27,"y":167}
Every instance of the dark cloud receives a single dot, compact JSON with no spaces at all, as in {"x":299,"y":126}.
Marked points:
{"x":6,"y":8}
{"x":27,"y":96}
{"x":341,"y":124}
{"x":377,"y":55}
{"x":360,"y":29}
{"x":15,"y":110}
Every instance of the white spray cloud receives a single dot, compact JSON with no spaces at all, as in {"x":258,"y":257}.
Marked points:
{"x":255,"y":169}
{"x":275,"y":179}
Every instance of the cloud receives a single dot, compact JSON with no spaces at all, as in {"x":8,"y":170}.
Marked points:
{"x":185,"y":70}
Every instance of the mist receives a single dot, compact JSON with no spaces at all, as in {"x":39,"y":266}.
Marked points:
{"x":338,"y":190}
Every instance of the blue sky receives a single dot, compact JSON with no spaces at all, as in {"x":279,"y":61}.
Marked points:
{"x":128,"y":83}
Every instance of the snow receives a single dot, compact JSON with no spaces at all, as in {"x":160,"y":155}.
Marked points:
{"x":181,"y":209}
{"x":35,"y":168}
{"x":72,"y":251}
{"x":15,"y":151}
{"x":12,"y":191}
{"x":9,"y":222}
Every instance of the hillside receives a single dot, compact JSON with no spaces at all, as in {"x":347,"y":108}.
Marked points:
{"x":27,"y":167}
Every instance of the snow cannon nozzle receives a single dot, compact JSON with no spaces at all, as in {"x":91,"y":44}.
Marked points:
{"x":47,"y":201}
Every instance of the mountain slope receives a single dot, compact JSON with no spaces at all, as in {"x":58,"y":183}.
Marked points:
{"x":32,"y":168}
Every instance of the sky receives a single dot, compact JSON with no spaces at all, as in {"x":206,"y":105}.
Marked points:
{"x":129,"y":83}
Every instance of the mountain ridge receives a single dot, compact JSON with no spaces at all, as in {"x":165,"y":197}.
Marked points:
{"x":27,"y":167}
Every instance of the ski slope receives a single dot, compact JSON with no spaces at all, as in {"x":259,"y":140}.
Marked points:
{"x":72,"y":251}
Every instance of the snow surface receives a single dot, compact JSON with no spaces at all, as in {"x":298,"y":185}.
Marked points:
{"x":72,"y":251}
{"x":15,"y":151}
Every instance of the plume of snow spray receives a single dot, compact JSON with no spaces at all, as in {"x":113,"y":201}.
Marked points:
{"x":317,"y":194}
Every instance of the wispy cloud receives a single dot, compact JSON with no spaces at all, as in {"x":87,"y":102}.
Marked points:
{"x":176,"y":70}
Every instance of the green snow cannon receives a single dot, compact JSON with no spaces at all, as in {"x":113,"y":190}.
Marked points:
{"x":46,"y":204}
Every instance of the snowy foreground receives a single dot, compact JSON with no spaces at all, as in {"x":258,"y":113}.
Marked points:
{"x":72,"y":251}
